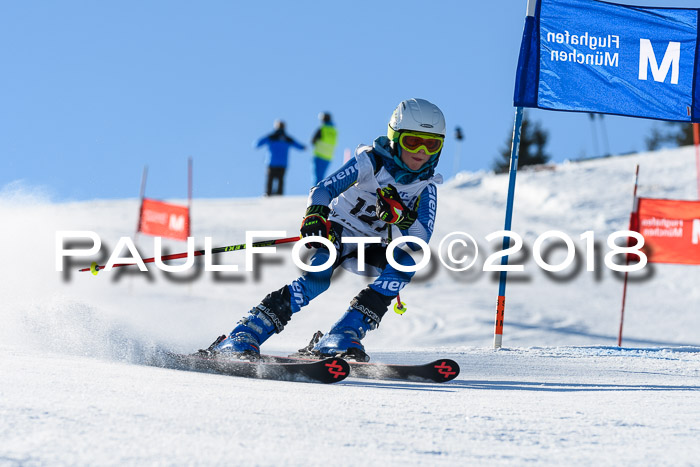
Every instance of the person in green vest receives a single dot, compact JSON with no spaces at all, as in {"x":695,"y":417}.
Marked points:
{"x":324,"y":142}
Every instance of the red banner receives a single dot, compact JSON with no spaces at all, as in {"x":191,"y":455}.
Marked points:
{"x":164,"y":220}
{"x":671,"y":230}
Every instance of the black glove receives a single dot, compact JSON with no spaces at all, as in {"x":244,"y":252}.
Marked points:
{"x":391,"y":209}
{"x":316,"y":224}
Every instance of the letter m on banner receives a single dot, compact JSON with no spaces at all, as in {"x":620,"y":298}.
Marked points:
{"x":671,"y":230}
{"x":647,"y":59}
{"x":164,"y":220}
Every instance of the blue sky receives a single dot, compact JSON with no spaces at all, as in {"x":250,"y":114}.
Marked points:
{"x":93,"y":91}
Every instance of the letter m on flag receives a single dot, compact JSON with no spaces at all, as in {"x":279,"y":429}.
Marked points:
{"x":647,"y":59}
{"x":164,"y":220}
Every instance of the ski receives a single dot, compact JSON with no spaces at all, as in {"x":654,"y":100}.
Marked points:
{"x":328,"y":370}
{"x":438,"y":371}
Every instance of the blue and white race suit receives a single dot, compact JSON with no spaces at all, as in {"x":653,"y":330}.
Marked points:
{"x":351,"y":193}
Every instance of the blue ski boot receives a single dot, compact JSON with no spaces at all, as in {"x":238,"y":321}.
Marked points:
{"x":264,"y":320}
{"x":365,"y":313}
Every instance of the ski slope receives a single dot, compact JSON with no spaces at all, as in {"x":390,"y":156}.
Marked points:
{"x":73,"y":389}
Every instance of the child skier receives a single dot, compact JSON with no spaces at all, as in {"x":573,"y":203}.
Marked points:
{"x":391,"y":183}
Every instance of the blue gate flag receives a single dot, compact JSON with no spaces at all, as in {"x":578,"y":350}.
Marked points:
{"x":594,"y":56}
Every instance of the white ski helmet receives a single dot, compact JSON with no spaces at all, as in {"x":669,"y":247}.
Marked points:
{"x":416,"y":115}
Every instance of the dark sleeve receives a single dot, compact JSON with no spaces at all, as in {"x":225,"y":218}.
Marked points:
{"x":296,"y":144}
{"x":316,"y":137}
{"x":262,"y":141}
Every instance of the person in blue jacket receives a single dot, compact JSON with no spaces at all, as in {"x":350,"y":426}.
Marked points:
{"x":278,"y":143}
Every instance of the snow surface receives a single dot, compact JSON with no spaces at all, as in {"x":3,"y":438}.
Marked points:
{"x":74,"y":390}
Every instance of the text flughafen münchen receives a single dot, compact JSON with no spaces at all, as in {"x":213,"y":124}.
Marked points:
{"x":594,"y":44}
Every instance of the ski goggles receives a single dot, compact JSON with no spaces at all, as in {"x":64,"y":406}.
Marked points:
{"x":413,"y":142}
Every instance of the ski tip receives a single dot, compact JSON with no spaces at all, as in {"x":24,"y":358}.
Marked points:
{"x":445,"y":370}
{"x":334,"y":369}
